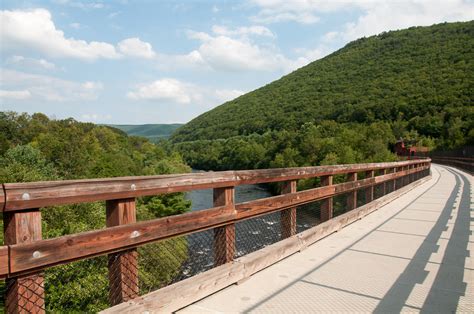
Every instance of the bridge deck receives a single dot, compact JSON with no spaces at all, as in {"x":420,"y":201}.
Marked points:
{"x":413,"y":254}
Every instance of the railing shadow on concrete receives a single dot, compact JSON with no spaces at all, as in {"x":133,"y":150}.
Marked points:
{"x":25,"y":255}
{"x":456,"y":252}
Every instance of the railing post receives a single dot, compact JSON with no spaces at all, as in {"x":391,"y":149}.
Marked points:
{"x":394,"y":170}
{"x":224,"y":237}
{"x":288,"y":216}
{"x":369,"y":192}
{"x":327,"y":204}
{"x":352,"y":196}
{"x":123,"y":266}
{"x":403,"y":179}
{"x":384,"y":185}
{"x":24,"y":294}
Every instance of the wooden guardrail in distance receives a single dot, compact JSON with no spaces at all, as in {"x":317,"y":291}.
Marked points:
{"x":25,"y":254}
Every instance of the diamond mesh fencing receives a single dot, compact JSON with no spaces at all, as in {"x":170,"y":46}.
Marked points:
{"x":169,"y":261}
{"x":339,"y":204}
{"x":256,"y":233}
{"x":378,"y":191}
{"x":25,"y":294}
{"x":81,"y":286}
{"x":308,"y":216}
{"x":361,"y":194}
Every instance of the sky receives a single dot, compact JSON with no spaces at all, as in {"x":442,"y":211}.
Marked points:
{"x":137,"y":62}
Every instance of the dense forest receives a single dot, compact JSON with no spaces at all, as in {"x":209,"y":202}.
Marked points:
{"x":35,"y":148}
{"x":351,"y":106}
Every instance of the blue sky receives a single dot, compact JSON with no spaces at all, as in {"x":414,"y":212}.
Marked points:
{"x":134,"y":62}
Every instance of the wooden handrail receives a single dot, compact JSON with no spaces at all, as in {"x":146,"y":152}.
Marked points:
{"x":22,"y":201}
{"x":49,"y":193}
{"x":45,"y":253}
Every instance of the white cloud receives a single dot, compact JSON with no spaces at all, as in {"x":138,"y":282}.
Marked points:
{"x":277,"y":11}
{"x":81,"y":4}
{"x":92,"y":86}
{"x":15,"y":94}
{"x":275,"y":17}
{"x":224,"y":95}
{"x":44,"y":87}
{"x":34,"y":29}
{"x":172,"y":91}
{"x":234,"y":54}
{"x":215,"y":9}
{"x":376,"y":17}
{"x":75,"y":25}
{"x":245,"y":30}
{"x":385,"y":16}
{"x":95,"y":117}
{"x":31,"y":62}
{"x":113,"y":14}
{"x":134,"y":47}
{"x":166,"y":89}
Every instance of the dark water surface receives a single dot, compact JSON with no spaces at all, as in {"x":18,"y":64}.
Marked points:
{"x":251,"y":234}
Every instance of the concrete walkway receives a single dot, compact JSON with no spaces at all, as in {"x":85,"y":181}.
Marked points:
{"x":411,"y":255}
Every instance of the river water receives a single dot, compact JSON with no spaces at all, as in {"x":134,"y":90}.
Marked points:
{"x":250,"y":235}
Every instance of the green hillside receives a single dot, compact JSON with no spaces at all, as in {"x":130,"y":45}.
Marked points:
{"x":418,"y":83}
{"x":153,"y":132}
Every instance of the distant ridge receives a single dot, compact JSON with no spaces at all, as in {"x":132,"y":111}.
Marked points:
{"x":153,"y":132}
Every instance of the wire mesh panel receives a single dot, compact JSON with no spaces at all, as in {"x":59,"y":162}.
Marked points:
{"x":378,"y":191}
{"x":361,"y":197}
{"x":2,"y":294}
{"x":169,"y":261}
{"x":256,"y":233}
{"x":81,"y":286}
{"x":308,"y":216}
{"x":339,"y":204}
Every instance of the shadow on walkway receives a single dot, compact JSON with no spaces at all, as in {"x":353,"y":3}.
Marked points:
{"x":448,"y":285}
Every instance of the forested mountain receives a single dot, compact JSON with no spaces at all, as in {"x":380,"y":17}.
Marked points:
{"x":416,"y":83}
{"x":35,"y":148}
{"x":153,"y":132}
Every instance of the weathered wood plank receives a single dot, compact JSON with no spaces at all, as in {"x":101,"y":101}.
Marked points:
{"x":352,"y":196}
{"x":4,"y":261}
{"x":269,"y":204}
{"x":185,"y":292}
{"x":122,"y":266}
{"x":224,"y":237}
{"x":24,"y":293}
{"x":49,"y":193}
{"x":288,"y":216}
{"x":369,"y":192}
{"x":99,"y":242}
{"x":326,"y":211}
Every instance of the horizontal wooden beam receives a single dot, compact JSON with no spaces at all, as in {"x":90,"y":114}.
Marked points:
{"x":45,"y":253}
{"x":49,"y":193}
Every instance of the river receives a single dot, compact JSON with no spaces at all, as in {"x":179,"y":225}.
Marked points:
{"x":251,"y":234}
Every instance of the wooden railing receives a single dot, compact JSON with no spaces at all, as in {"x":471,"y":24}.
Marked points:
{"x":25,"y":254}
{"x":464,"y":163}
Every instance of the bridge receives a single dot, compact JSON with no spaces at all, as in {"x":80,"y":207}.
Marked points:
{"x":383,"y":237}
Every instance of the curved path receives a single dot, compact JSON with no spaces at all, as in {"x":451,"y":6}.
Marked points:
{"x":411,"y":255}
